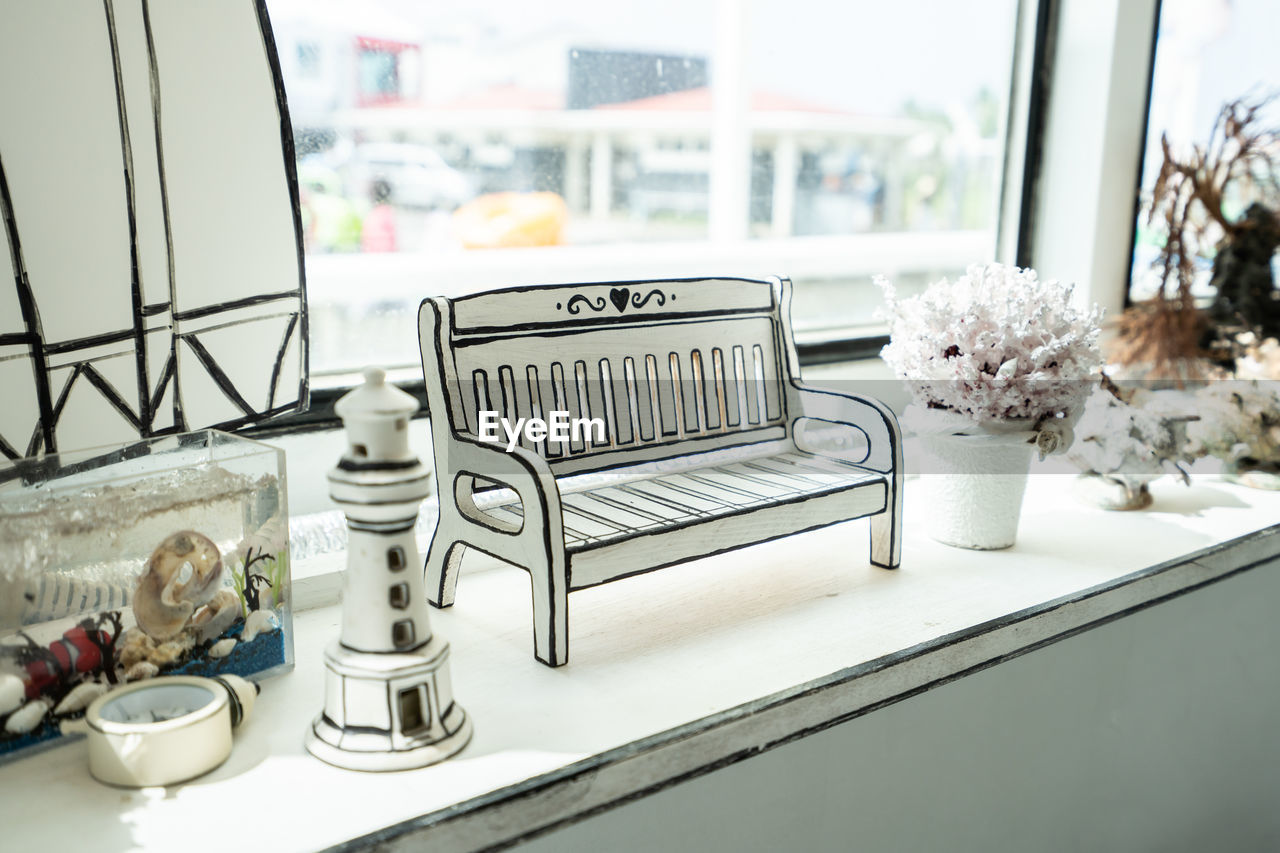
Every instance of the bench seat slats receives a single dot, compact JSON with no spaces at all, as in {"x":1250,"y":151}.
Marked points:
{"x":619,"y":511}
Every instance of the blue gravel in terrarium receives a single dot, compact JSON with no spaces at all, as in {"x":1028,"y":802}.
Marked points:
{"x":167,"y":556}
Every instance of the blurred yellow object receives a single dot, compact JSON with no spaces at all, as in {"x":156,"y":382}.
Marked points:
{"x":511,"y":219}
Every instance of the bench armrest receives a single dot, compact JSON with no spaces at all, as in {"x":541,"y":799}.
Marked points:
{"x":876,"y":420}
{"x":523,"y":471}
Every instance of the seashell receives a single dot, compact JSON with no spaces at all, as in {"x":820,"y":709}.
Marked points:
{"x":243,"y":690}
{"x":73,"y":726}
{"x":1053,"y":437}
{"x":259,"y":622}
{"x":80,"y":697}
{"x":13,"y":690}
{"x":140,"y":670}
{"x":172,"y":651}
{"x":222,"y":648}
{"x":216,"y":616}
{"x":133,"y":647}
{"x":27,"y":717}
{"x":165,"y":598}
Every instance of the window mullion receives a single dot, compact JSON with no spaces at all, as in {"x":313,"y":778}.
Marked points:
{"x":730,"y":184}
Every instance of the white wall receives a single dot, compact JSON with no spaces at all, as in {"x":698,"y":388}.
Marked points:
{"x":1154,"y":732}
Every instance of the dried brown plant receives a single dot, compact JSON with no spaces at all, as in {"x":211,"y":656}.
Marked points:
{"x":1189,"y":200}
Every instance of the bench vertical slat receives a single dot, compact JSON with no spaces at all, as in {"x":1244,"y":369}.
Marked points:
{"x":493,"y":390}
{"x":691,"y":417}
{"x":662,"y":396}
{"x":479,"y":393}
{"x":750,"y":385}
{"x":609,"y":396}
{"x":573,"y":446}
{"x":635,"y":392}
{"x":534,"y":389}
{"x":735,"y":390}
{"x":682,"y":410}
{"x":506,"y":397}
{"x":556,"y":395}
{"x":650,"y":404}
{"x":698,"y":377}
{"x":767,"y":369}
{"x":719,"y":390}
{"x":522,"y":403}
{"x":580,"y":407}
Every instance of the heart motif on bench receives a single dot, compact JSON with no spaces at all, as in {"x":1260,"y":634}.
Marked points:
{"x":619,"y":297}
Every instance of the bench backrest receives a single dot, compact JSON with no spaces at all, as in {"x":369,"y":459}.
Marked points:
{"x":671,"y":367}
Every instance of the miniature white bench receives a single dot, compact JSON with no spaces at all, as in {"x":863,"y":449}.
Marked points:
{"x":704,"y":413}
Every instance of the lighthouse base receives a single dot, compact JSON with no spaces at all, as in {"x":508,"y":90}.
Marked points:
{"x":392,"y":711}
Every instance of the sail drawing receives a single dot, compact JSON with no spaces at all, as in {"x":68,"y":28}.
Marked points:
{"x":151,"y":275}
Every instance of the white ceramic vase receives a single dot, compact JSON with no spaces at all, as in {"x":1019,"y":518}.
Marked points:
{"x":975,"y":485}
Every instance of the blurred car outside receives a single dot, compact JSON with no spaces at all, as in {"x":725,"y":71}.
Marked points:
{"x":511,"y":219}
{"x":330,"y":221}
{"x":416,"y":176}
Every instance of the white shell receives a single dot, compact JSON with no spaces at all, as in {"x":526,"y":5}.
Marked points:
{"x":222,"y":648}
{"x":27,"y":717}
{"x":140,"y":670}
{"x":12,"y":692}
{"x":246,"y":692}
{"x":259,"y":621}
{"x":80,"y":697}
{"x":217,"y":616}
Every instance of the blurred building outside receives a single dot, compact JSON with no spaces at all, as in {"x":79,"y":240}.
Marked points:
{"x":633,"y":141}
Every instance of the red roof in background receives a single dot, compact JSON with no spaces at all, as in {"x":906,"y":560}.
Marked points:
{"x":699,"y":100}
{"x":505,"y":97}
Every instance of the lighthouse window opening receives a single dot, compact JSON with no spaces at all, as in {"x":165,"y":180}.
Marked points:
{"x":359,"y":450}
{"x":412,"y":719}
{"x":402,"y":633}
{"x":395,"y":559}
{"x":400,"y":596}
{"x":401,"y":424}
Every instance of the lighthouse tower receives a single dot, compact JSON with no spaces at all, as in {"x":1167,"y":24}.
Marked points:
{"x":388,"y":699}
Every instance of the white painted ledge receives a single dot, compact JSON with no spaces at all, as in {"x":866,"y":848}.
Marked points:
{"x":671,"y":675}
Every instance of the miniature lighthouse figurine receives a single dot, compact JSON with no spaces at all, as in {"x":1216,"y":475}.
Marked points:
{"x":388,"y":701}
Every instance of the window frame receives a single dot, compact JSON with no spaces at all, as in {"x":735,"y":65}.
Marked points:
{"x":1084,"y":194}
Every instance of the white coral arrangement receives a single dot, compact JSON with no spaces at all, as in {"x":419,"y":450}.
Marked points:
{"x":996,"y":345}
{"x":1239,"y":423}
{"x":1126,"y":439}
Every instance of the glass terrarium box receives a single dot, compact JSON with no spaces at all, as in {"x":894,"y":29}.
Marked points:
{"x":164,"y":556}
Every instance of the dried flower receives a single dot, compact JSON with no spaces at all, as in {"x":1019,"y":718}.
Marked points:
{"x":996,"y":344}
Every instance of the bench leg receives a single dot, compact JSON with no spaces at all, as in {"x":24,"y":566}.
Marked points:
{"x":444,"y":559}
{"x":886,"y":531}
{"x":551,"y":613}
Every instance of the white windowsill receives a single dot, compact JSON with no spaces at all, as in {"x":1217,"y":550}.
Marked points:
{"x":670,"y":673}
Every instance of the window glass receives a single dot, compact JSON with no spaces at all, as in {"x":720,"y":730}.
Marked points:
{"x":379,"y":77}
{"x":445,"y":148}
{"x":1208,"y":52}
{"x":308,"y":57}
